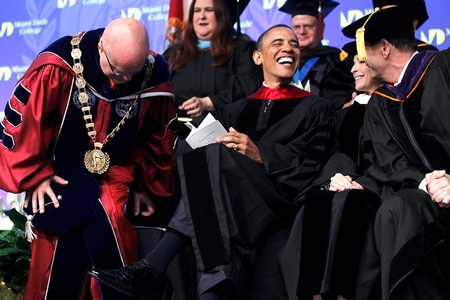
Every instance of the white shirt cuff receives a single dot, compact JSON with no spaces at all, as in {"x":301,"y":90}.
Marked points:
{"x":422,"y":186}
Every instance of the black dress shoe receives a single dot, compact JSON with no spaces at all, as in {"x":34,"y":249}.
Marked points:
{"x":134,"y":280}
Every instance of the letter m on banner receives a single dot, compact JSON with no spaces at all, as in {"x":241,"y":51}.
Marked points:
{"x":178,"y":14}
{"x":352,"y":15}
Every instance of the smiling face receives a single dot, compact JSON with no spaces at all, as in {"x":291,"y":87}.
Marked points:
{"x":204,"y":19}
{"x":307,"y":29}
{"x":279,"y":55}
{"x":361,"y":72}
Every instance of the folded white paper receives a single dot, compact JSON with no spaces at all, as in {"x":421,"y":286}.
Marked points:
{"x":206,"y":133}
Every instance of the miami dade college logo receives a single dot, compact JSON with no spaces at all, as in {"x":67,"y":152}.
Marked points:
{"x":132,"y":12}
{"x":7,"y":29}
{"x":269,"y":4}
{"x":5,"y":73}
{"x":352,"y":16}
{"x":435,"y":36}
{"x":64,"y":3}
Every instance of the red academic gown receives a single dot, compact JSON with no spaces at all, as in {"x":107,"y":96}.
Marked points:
{"x":38,"y":121}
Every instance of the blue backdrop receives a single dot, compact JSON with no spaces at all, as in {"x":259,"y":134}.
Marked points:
{"x":28,"y":26}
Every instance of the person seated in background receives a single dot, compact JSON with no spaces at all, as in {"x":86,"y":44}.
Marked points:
{"x":325,"y":249}
{"x":406,"y":135}
{"x":348,"y":122}
{"x":212,"y":65}
{"x":417,"y":9}
{"x":241,"y":188}
{"x":321,"y":70}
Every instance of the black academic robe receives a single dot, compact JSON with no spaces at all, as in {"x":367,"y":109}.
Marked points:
{"x":327,"y":245}
{"x":238,"y":78}
{"x":231,"y":201}
{"x":348,"y":126}
{"x":406,"y":132}
{"x":330,"y":76}
{"x":332,"y":231}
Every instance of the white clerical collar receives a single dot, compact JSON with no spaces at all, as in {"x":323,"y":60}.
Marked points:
{"x":404,"y":70}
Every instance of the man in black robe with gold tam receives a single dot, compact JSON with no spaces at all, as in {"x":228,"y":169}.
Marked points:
{"x":407,"y":150}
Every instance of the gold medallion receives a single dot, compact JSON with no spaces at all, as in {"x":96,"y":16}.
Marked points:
{"x":76,"y":53}
{"x":96,"y":161}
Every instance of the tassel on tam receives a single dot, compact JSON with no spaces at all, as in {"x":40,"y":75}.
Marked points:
{"x":360,"y":42}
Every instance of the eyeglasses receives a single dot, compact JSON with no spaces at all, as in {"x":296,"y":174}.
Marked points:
{"x":121,"y":74}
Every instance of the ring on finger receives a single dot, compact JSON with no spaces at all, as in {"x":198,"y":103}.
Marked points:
{"x":235,"y":147}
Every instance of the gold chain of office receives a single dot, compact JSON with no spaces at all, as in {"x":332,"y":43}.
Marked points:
{"x":95,"y":160}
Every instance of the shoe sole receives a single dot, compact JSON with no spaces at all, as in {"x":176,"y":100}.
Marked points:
{"x":113,"y":286}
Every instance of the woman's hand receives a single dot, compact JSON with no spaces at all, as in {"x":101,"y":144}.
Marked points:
{"x":242,"y":143}
{"x":195,"y":106}
{"x":438,"y":186}
{"x":339,"y":183}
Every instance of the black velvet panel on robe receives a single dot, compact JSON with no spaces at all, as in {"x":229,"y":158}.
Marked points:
{"x":348,"y":124}
{"x":330,"y":239}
